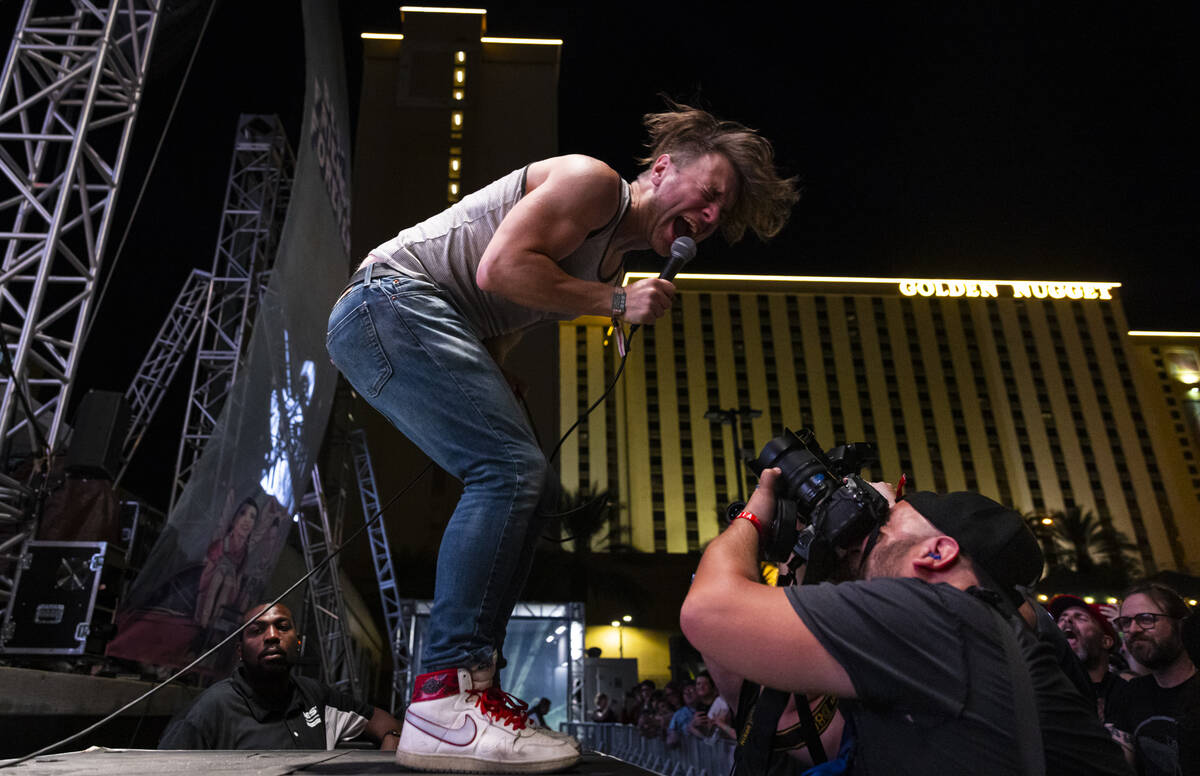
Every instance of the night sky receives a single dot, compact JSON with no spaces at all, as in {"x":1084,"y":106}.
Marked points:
{"x":1001,"y":140}
{"x":1022,"y":141}
{"x":1007,"y":142}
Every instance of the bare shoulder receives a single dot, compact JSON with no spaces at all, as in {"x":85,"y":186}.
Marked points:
{"x":571,"y":170}
{"x":585,"y":188}
{"x":574,"y":175}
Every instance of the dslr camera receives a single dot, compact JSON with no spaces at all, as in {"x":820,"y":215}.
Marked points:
{"x":824,"y":492}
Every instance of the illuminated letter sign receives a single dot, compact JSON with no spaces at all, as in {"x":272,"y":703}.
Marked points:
{"x":1021,"y":289}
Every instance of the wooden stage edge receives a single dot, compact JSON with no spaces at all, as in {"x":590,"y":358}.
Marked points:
{"x":339,"y":762}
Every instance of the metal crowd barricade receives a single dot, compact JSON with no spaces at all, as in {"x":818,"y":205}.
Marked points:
{"x":694,"y":757}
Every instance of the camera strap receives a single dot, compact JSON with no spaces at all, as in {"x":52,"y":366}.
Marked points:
{"x":757,"y":721}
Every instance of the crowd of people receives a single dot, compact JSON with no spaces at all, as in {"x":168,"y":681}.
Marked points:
{"x":1140,"y":659}
{"x":691,"y":707}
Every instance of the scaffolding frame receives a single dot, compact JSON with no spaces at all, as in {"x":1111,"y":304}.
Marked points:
{"x":162,"y":362}
{"x":381,"y":555}
{"x":256,"y":197}
{"x":69,"y":95}
{"x":319,"y":538}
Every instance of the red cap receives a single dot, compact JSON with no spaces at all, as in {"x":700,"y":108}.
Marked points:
{"x":1060,"y":603}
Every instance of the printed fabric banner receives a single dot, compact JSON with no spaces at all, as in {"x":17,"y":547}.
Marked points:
{"x":222,"y":540}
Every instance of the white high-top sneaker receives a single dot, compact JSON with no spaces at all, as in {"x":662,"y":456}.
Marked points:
{"x":456,"y":725}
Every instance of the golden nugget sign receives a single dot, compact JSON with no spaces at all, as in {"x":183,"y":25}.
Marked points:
{"x":1021,"y":289}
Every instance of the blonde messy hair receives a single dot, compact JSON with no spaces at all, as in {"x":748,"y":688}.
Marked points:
{"x":764,"y":200}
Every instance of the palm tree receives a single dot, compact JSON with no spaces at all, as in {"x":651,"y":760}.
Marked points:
{"x":1119,"y":554}
{"x":1079,"y":532}
{"x":1045,"y":536}
{"x":583,"y":516}
{"x":1095,"y":551}
{"x":588,"y":513}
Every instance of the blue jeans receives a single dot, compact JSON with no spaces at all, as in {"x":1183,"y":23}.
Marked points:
{"x":413,"y":357}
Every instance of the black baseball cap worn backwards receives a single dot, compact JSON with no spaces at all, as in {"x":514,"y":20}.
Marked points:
{"x":996,"y":538}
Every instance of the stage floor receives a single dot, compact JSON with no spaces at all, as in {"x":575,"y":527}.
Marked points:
{"x":340,"y":762}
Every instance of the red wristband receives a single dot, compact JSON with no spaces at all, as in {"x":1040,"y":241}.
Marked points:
{"x":753,"y":518}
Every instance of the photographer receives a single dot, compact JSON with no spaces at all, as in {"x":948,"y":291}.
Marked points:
{"x":933,"y":668}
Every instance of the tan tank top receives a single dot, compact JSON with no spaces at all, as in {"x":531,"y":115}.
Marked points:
{"x":446,"y":250}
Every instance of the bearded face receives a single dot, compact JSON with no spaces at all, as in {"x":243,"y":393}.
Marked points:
{"x":1086,"y":639}
{"x":1158,"y":646}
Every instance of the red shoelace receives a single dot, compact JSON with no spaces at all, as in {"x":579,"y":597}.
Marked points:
{"x":502,"y":707}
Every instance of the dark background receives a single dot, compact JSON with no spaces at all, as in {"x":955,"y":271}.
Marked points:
{"x":1000,"y":140}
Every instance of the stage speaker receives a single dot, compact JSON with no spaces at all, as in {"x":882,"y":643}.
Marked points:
{"x":101,"y":421}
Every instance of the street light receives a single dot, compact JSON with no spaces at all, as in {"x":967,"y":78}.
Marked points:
{"x":733,"y":417}
{"x":620,"y":625}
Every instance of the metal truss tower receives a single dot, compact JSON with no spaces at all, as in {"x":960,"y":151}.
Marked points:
{"x":70,"y":91}
{"x":319,"y":536}
{"x":381,"y":554}
{"x":256,"y":197}
{"x":162,"y":361}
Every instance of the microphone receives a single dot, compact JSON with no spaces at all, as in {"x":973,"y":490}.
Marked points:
{"x":683,"y":250}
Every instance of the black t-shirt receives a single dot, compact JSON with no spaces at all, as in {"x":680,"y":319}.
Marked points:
{"x":1108,"y":691}
{"x":1151,"y":715}
{"x":230,"y":715}
{"x":934,"y":686}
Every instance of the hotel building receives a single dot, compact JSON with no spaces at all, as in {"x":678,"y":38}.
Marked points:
{"x":1032,"y":393}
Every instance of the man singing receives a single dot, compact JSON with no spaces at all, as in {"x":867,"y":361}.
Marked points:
{"x":421,"y":333}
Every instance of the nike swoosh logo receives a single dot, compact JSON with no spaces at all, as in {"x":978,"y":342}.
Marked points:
{"x":462,"y":735}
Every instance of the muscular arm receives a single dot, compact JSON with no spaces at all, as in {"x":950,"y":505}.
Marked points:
{"x":750,"y":628}
{"x":571,"y":196}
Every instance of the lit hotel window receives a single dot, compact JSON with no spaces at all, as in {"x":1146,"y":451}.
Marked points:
{"x":460,"y":56}
{"x":458,"y":94}
{"x":455,"y":167}
{"x":460,"y":75}
{"x":456,"y":119}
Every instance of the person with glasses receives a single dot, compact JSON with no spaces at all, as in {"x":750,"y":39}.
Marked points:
{"x":1152,"y":708}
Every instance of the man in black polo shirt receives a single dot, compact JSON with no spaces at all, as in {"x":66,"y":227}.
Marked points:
{"x":263,"y":706}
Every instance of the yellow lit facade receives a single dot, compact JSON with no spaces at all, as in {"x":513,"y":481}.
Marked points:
{"x":1167,"y":367}
{"x":1030,"y":392}
{"x":648,"y":646}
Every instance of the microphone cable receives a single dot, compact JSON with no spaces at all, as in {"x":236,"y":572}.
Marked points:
{"x":616,"y":376}
{"x":683,"y":250}
{"x":366,"y":524}
{"x":550,"y":458}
